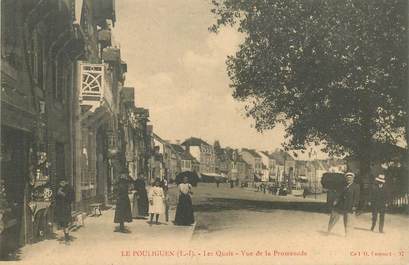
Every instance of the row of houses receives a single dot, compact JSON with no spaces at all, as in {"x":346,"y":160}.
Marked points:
{"x":244,"y":165}
{"x":280,"y":167}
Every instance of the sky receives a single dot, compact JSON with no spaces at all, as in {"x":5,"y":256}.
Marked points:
{"x":179,"y":73}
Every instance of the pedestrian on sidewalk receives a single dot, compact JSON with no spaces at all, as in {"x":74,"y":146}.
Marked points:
{"x":167,"y":205}
{"x":156,"y":201}
{"x":184,"y":210}
{"x":143,"y":202}
{"x":123,"y":205}
{"x":345,"y":204}
{"x":378,"y":201}
{"x":139,"y":200}
{"x":63,"y":200}
{"x":135,"y":206}
{"x":165,"y":185}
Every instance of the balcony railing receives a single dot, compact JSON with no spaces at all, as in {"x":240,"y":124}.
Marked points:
{"x":94,"y":85}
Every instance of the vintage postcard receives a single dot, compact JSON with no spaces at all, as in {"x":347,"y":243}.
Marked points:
{"x":204,"y":132}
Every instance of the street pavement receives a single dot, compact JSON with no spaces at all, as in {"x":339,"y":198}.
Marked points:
{"x":233,"y":226}
{"x":288,"y":230}
{"x":97,"y":243}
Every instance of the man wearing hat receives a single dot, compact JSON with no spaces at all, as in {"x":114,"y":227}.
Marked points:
{"x":345,"y":204}
{"x":378,"y":202}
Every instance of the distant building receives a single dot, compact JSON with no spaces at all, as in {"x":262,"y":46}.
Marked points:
{"x":284,"y":166}
{"x":203,"y":152}
{"x":254,"y":160}
{"x":186,"y":161}
{"x":170,"y":157}
{"x":269,"y":165}
{"x":238,"y":169}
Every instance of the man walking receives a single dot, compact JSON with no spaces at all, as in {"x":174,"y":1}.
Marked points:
{"x":378,"y":202}
{"x":345,"y":204}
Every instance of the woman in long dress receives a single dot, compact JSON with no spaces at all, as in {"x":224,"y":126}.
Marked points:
{"x":135,"y":207}
{"x":64,"y":199}
{"x":142,"y":197}
{"x":123,"y":205}
{"x":184,"y":210}
{"x":140,"y":200}
{"x":156,"y":204}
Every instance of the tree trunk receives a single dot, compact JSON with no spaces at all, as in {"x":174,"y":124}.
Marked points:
{"x":364,"y":180}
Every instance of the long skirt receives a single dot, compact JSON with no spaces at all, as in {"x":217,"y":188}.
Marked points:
{"x":143,"y":203}
{"x":63,"y":214}
{"x":184,"y":211}
{"x":123,"y":210}
{"x":137,"y":211}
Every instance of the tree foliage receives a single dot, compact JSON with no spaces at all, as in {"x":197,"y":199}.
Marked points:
{"x":333,"y":71}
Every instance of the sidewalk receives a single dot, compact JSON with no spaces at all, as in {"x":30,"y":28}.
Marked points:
{"x":97,"y":243}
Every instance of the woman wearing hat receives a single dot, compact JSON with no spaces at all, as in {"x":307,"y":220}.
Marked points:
{"x":378,"y":202}
{"x":123,"y":205}
{"x":63,"y":200}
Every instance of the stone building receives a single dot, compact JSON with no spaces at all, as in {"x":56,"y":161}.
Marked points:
{"x":136,"y":143}
{"x":253,"y":159}
{"x":203,"y":152}
{"x":61,"y":77}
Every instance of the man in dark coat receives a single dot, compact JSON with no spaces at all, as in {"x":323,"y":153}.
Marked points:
{"x":378,"y":202}
{"x":345,"y":204}
{"x":63,"y":200}
{"x":123,"y":205}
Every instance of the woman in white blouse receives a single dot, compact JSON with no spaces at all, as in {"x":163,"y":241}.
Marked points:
{"x":184,"y":210}
{"x":156,"y":204}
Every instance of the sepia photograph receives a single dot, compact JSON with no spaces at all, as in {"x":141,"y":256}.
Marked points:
{"x":204,"y":132}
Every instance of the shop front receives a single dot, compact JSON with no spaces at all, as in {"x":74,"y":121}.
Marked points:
{"x":14,"y":174}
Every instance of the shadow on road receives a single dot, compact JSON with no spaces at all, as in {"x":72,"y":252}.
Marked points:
{"x":223,"y":204}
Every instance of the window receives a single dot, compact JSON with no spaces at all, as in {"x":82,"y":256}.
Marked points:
{"x":37,"y":52}
{"x":60,"y":78}
{"x":186,"y":163}
{"x":9,"y":28}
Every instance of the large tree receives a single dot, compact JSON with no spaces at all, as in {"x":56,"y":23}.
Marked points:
{"x":332,"y":71}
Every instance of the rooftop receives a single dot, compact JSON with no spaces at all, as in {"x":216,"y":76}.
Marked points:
{"x":193,"y":141}
{"x":184,"y":154}
{"x":281,"y":156}
{"x":251,"y":152}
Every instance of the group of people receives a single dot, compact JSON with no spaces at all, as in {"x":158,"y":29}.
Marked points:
{"x":156,"y":202}
{"x":274,"y":189}
{"x":346,"y":201}
{"x":151,"y":203}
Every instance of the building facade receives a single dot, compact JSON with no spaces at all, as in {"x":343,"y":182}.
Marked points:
{"x":203,"y":152}
{"x":136,"y":144}
{"x":61,"y":77}
{"x":253,"y":159}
